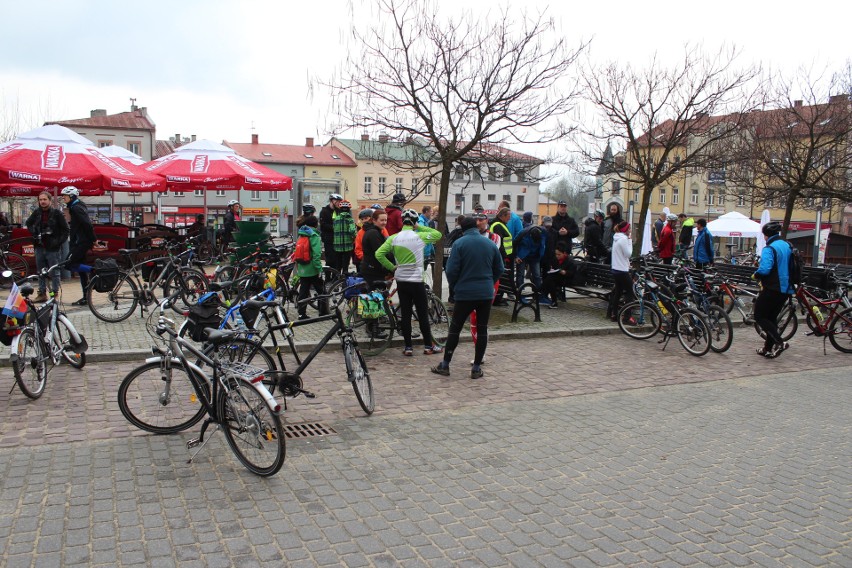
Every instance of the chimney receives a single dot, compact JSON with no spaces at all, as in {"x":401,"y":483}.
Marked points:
{"x":837,"y":99}
{"x":177,"y":140}
{"x":383,"y":138}
{"x":254,"y":138}
{"x":143,"y":111}
{"x":309,"y":142}
{"x":193,"y":138}
{"x":797,"y":104}
{"x":365,"y":138}
{"x":98,"y":112}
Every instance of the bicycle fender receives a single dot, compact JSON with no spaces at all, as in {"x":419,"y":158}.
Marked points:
{"x":14,"y":348}
{"x":175,"y":360}
{"x":78,"y":342}
{"x":264,"y":393}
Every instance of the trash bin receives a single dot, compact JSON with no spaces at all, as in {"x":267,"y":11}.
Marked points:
{"x":248,"y":234}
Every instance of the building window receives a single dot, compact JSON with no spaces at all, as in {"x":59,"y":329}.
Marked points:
{"x":398,"y":185}
{"x":741,"y":199}
{"x":382,"y":185}
{"x":135,"y":147}
{"x":177,"y":194}
{"x":693,"y":197}
{"x":507,"y":174}
{"x":415,"y":183}
{"x":710,"y":197}
{"x":507,"y":197}
{"x":635,"y":196}
{"x":314,"y":173}
{"x":459,"y":172}
{"x":616,"y":187}
{"x":770,"y":202}
{"x":826,"y":203}
{"x":368,"y":185}
{"x":273,"y":196}
{"x":675,"y":196}
{"x":337,"y":173}
{"x":477,"y":171}
{"x":255,"y":195}
{"x":428,"y":190}
{"x":519,"y":203}
{"x":104,"y":143}
{"x":492,"y":173}
{"x":662,"y":195}
{"x":522,"y":176}
{"x":459,"y":201}
{"x":220,"y":193}
{"x":492,"y":197}
{"x":199,"y":193}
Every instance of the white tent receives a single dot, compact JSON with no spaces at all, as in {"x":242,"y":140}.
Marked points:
{"x":761,"y":240}
{"x":646,"y":235}
{"x":734,"y":224}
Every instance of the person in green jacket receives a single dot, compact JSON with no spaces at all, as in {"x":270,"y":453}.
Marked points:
{"x":309,"y":272}
{"x":407,"y":247}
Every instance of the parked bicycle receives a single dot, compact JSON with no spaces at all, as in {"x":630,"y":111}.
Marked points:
{"x":156,"y":397}
{"x":695,"y":295}
{"x":732,"y":295}
{"x":47,"y":337}
{"x":12,"y":263}
{"x":114,"y":297}
{"x":827,"y":318}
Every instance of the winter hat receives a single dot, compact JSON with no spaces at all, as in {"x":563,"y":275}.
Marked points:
{"x":528,"y":217}
{"x":547,"y":221}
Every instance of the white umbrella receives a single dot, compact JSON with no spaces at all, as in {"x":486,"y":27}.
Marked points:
{"x":734,"y":224}
{"x":761,"y":240}
{"x":123,"y":154}
{"x":646,"y":235}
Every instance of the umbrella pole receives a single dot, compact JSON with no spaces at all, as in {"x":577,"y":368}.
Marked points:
{"x":112,"y":207}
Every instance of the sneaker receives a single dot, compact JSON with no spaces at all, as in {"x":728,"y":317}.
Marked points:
{"x":763,"y":351}
{"x":80,"y":302}
{"x":439,"y":369}
{"x":545,"y":301}
{"x":473,"y":362}
{"x":433,"y":350}
{"x":552,"y":306}
{"x":408,"y":352}
{"x":476,"y":373}
{"x":41,"y":297}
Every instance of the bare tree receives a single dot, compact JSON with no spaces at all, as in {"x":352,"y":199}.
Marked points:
{"x":798,"y":152}
{"x":455,"y":89}
{"x":667,"y":120}
{"x":574,"y":189}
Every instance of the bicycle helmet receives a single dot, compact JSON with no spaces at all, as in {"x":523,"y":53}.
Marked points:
{"x":71,"y":191}
{"x":345,"y":205}
{"x":376,"y":206}
{"x":671,"y":217}
{"x":335,"y":197}
{"x":233,"y":202}
{"x":410,"y":217}
{"x":772,"y":228}
{"x":308,"y":209}
{"x":365,"y":213}
{"x":599,"y":213}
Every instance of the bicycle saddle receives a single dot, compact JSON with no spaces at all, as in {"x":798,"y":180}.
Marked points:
{"x":128,"y":251}
{"x":256,"y":304}
{"x":219,"y":286}
{"x":219,"y":336}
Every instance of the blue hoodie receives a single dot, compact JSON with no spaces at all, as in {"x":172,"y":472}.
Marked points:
{"x":774,"y":269}
{"x":474,"y":267}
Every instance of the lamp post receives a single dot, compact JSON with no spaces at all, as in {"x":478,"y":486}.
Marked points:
{"x":817,"y":228}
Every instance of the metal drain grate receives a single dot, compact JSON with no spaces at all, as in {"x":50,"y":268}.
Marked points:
{"x":308,"y":430}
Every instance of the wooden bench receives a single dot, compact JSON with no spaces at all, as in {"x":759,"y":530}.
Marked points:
{"x":524,"y":297}
{"x":592,"y":279}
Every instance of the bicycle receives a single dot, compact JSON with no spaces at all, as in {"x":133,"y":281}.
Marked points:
{"x":695,"y":295}
{"x":748,"y":258}
{"x":827,"y":318}
{"x":152,"y":397}
{"x":13,"y":263}
{"x":730,"y":295}
{"x":46,"y":337}
{"x":132,"y":287}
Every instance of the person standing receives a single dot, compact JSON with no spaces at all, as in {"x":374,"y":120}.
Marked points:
{"x":473,"y":270}
{"x":394,"y":211}
{"x":507,"y":248}
{"x":515,"y":224}
{"x":308,"y":210}
{"x":565,"y":226}
{"x":610,"y":223}
{"x":703,"y":253}
{"x":593,"y":238}
{"x":657,"y":229}
{"x":82,"y":236}
{"x":309,"y":271}
{"x":775,"y":289}
{"x":407,"y":248}
{"x":621,"y":250}
{"x":49,"y":229}
{"x":687,"y":224}
{"x":667,"y":239}
{"x":326,"y":225}
{"x":344,"y":238}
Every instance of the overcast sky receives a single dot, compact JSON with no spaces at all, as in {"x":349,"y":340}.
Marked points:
{"x":217,"y":68}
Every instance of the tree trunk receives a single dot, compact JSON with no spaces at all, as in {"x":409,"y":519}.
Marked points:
{"x":643,"y":214}
{"x":788,"y":210}
{"x":443,"y":203}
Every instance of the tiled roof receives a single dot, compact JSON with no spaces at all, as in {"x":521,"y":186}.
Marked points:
{"x":287,"y":154}
{"x":132,"y":120}
{"x":164,"y":148}
{"x":394,"y":150}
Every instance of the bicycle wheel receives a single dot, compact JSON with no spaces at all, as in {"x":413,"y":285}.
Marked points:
{"x":359,"y":376}
{"x":30,"y":367}
{"x":63,"y":338}
{"x":640,"y":319}
{"x":205,"y":252}
{"x":788,"y":323}
{"x":692,"y":332}
{"x":242,"y":350}
{"x":439,"y":320}
{"x":254,"y":433}
{"x":721,"y":329}
{"x":16,"y":264}
{"x":117,"y":304}
{"x":840,"y":331}
{"x":373,"y":335}
{"x":192,"y":284}
{"x":226,"y":274}
{"x":158,"y":402}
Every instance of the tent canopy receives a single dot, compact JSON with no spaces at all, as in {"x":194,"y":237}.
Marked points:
{"x":734,"y":224}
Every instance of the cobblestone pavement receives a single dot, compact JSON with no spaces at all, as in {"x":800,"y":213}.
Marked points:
{"x":560,"y":456}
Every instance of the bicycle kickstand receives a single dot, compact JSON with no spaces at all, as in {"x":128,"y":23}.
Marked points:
{"x":665,"y":340}
{"x":199,"y":442}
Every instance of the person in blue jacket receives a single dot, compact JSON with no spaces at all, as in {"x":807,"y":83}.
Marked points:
{"x":472,"y":271}
{"x":775,"y":289}
{"x":703,"y":252}
{"x":515,"y":224}
{"x":529,"y":250}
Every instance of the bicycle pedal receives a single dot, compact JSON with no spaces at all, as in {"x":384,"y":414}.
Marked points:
{"x":309,"y":394}
{"x":194,"y":442}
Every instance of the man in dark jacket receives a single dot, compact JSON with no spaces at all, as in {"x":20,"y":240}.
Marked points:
{"x":49,"y":230}
{"x":326,"y":226}
{"x":595,"y":249}
{"x":564,"y":225}
{"x":775,"y":290}
{"x":82,"y":236}
{"x":612,"y":220}
{"x":395,"y":213}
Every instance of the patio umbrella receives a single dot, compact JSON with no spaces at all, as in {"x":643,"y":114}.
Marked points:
{"x":761,"y":240}
{"x":54,"y":156}
{"x":207,"y":165}
{"x":734,"y":224}
{"x":122,"y":155}
{"x":646,"y":234}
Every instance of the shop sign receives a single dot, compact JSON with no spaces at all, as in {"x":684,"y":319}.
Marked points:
{"x":168,"y":209}
{"x":259,"y":211}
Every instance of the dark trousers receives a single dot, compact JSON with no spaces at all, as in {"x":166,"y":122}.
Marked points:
{"x":552,"y":285}
{"x":76,"y":257}
{"x":623,"y":287}
{"x":412,"y":296}
{"x":767,"y":306}
{"x":461,"y":311}
{"x":667,"y":260}
{"x":338,"y":260}
{"x":305,"y":285}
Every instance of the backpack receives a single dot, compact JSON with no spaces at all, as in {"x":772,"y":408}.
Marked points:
{"x":302,"y":253}
{"x":107,"y":273}
{"x":795,"y":266}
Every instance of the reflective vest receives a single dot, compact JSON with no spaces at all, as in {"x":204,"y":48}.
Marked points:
{"x":507,"y":239}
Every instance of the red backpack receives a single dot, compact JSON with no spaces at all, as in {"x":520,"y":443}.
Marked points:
{"x":302,"y":253}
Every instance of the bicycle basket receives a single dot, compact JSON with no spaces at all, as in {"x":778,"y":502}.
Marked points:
{"x":370,"y":306}
{"x":151,"y":269}
{"x":106,"y":274}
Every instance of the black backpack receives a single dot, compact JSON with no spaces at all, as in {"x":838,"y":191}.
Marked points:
{"x":107,"y":273}
{"x":795,"y":267}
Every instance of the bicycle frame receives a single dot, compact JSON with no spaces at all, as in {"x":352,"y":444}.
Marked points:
{"x":808,"y":301}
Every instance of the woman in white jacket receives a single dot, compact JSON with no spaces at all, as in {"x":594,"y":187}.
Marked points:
{"x":621,"y":251}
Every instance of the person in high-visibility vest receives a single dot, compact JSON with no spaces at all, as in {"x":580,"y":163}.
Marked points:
{"x":500,"y":227}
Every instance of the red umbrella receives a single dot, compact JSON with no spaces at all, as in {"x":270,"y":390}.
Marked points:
{"x":54,"y":156}
{"x":207,"y":165}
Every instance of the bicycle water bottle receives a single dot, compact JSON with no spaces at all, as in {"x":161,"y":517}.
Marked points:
{"x":818,"y":314}
{"x":663,"y":309}
{"x":239,"y":324}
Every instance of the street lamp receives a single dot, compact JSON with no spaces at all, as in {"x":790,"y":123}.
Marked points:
{"x":817,"y":228}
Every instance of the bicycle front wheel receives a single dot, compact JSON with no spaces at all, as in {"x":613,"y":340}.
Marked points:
{"x":693,"y":332}
{"x":63,"y":338}
{"x":254,"y":433}
{"x":639,"y":319}
{"x":439,"y":320}
{"x":721,"y":329}
{"x":160,"y":401}
{"x":373,"y":335}
{"x":192,"y":284}
{"x":30,"y":366}
{"x":17,"y":265}
{"x":116,"y":304}
{"x":840,"y":331}
{"x":359,"y":376}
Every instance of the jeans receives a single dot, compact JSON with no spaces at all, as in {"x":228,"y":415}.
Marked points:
{"x":63,"y":253}
{"x":535,"y":273}
{"x":46,"y":259}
